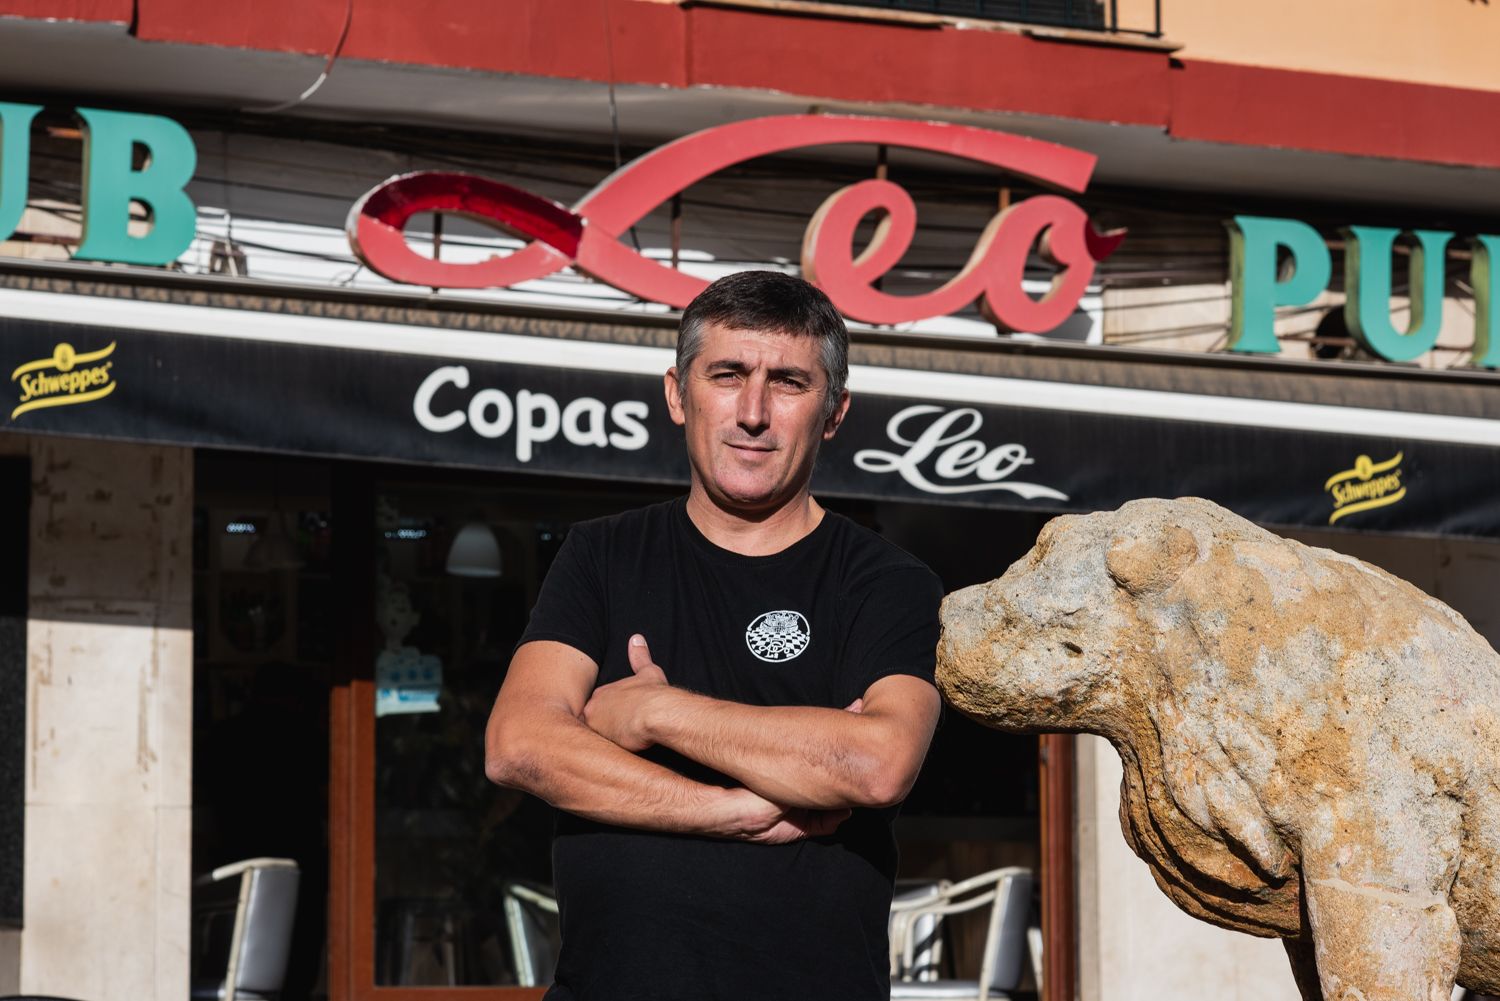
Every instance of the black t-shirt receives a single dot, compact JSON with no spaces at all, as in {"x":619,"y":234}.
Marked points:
{"x":661,"y":917}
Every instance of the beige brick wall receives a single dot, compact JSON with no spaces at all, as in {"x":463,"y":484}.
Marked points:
{"x":10,"y":939}
{"x":109,"y":722}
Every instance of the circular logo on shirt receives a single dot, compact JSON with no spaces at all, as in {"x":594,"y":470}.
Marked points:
{"x":778,"y":636}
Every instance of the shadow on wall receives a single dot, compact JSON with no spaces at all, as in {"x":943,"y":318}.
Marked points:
{"x":10,"y":960}
{"x":15,"y":502}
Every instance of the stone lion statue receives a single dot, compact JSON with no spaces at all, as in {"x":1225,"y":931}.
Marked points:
{"x":1311,"y":745}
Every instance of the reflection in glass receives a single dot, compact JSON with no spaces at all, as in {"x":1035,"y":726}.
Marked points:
{"x":449,"y":845}
{"x":475,"y":552}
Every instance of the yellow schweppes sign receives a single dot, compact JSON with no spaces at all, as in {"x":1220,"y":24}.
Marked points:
{"x":64,"y":379}
{"x":1368,"y":485}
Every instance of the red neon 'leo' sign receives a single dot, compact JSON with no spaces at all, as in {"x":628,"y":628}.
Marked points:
{"x":588,"y":234}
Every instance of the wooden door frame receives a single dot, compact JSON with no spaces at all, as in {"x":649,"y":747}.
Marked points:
{"x":1059,"y":865}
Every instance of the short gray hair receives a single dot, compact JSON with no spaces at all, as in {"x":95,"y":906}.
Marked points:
{"x":770,"y":302}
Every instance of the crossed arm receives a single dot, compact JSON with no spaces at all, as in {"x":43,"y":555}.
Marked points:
{"x":554,"y":735}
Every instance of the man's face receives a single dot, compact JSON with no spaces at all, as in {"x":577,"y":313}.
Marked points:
{"x":752,"y":407}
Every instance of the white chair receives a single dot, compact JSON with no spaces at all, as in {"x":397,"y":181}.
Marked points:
{"x":532,"y":921}
{"x":916,"y":935}
{"x":260,"y":938}
{"x":1034,"y":942}
{"x":1007,"y":894}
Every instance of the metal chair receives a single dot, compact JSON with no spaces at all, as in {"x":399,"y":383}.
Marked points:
{"x":532,"y":921}
{"x":916,"y":935}
{"x":1007,"y":893}
{"x":260,"y":935}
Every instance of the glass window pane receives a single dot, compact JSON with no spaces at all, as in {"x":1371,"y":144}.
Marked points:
{"x":448,"y":844}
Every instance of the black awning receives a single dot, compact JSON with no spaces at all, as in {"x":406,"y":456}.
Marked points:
{"x":578,"y":417}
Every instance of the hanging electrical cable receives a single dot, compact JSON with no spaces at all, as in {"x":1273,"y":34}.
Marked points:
{"x":333,"y":57}
{"x":614,"y":108}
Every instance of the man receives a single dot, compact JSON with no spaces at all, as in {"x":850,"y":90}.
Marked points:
{"x":727,"y":695}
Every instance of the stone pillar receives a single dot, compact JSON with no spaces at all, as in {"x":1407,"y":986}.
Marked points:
{"x":12,"y":717}
{"x":109,"y":722}
{"x":1133,"y":943}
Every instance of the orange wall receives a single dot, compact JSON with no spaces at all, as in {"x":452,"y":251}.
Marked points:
{"x":1446,"y":42}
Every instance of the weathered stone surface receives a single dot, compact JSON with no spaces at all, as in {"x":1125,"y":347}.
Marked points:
{"x":1310,"y":745}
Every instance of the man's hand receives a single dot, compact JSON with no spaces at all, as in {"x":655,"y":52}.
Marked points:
{"x":538,"y":742}
{"x":619,"y":710}
{"x":794,"y":756}
{"x":763,"y":822}
{"x":769,"y":824}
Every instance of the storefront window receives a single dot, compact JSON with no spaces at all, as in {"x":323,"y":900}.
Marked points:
{"x":451,"y":594}
{"x":463,"y":888}
{"x":449,"y":877}
{"x":263,"y":645}
{"x":462,"y":873}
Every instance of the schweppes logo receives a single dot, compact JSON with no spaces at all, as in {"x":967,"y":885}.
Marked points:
{"x":1368,"y":485}
{"x":64,"y":379}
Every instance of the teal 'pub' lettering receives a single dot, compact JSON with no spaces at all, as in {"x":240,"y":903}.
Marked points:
{"x":111,"y":182}
{"x":1255,"y":247}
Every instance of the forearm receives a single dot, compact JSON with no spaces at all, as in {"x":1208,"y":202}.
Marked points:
{"x":555,"y":757}
{"x":795,"y":755}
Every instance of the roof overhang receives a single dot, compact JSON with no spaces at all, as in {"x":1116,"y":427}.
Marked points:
{"x":203,"y":364}
{"x":1197,"y":127}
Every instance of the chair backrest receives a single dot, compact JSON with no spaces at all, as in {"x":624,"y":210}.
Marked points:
{"x":262,"y":937}
{"x":532,"y":920}
{"x":1005,"y":944}
{"x":916,"y":936}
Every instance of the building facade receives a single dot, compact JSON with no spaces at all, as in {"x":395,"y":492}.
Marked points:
{"x":297,"y":299}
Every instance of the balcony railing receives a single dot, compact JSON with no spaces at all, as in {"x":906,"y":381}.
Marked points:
{"x":1091,"y":15}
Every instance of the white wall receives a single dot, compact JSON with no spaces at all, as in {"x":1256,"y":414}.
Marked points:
{"x":1134,"y":943}
{"x":109,"y":723}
